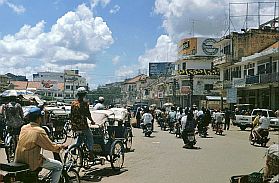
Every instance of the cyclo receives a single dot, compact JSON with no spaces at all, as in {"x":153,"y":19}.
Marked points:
{"x":106,"y":146}
{"x":123,"y":130}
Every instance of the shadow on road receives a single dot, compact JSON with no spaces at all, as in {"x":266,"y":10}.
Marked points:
{"x":97,"y":174}
{"x":194,"y":148}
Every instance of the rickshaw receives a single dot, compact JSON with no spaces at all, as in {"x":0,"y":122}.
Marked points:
{"x":106,"y":146}
{"x":122,"y":129}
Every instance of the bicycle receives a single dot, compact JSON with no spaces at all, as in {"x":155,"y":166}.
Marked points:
{"x":10,"y":143}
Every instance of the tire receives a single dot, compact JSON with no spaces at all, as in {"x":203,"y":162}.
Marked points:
{"x":74,"y":157}
{"x":117,"y":155}
{"x":60,"y":137}
{"x":10,"y":147}
{"x":242,"y":128}
{"x":129,"y":142}
{"x":71,"y":176}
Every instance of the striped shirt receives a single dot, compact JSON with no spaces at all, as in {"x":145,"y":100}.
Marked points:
{"x":32,"y":139}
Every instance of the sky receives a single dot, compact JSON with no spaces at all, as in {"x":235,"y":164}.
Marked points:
{"x":111,"y":40}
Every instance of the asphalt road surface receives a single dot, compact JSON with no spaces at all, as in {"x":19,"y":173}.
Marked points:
{"x":161,"y":158}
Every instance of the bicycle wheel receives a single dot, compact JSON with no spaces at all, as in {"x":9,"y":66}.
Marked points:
{"x":60,"y":137}
{"x":70,"y":176}
{"x":74,"y":158}
{"x":10,"y":147}
{"x":117,"y":155}
{"x":129,"y":141}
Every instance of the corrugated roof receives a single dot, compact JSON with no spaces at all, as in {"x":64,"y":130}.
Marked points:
{"x":22,"y":85}
{"x":136,"y":79}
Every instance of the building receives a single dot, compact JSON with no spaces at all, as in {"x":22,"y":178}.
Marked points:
{"x":49,"y":76}
{"x":16,"y":77}
{"x":72,"y":81}
{"x":246,"y":61}
{"x":195,"y":75}
{"x":4,"y":82}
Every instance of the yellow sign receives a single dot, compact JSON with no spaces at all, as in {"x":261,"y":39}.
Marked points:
{"x":193,"y":72}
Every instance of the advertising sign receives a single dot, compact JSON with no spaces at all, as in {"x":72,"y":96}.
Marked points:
{"x":232,"y":95}
{"x":49,"y":85}
{"x":194,"y":72}
{"x":198,"y":47}
{"x":161,"y":69}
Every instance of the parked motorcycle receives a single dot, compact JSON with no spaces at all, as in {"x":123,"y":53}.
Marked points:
{"x":259,"y":138}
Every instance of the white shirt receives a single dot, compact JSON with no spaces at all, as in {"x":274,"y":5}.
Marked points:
{"x":99,"y":106}
{"x":264,"y":122}
{"x":183,"y":122}
{"x":147,"y":118}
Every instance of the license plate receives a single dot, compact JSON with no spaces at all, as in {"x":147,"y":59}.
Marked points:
{"x":191,"y":138}
{"x":97,"y":148}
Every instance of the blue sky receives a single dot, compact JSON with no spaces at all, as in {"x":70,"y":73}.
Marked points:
{"x":107,"y":40}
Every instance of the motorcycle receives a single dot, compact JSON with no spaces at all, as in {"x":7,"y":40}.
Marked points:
{"x":219,"y":128}
{"x":259,"y":138}
{"x":189,"y":139}
{"x":147,"y":129}
{"x":202,"y":131}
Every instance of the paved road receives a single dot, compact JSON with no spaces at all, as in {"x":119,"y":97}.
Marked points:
{"x":161,"y":158}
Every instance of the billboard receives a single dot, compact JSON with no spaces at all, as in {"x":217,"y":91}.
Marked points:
{"x":198,"y":47}
{"x":161,"y":69}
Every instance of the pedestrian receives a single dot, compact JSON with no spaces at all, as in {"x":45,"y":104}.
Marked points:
{"x":138,"y":117}
{"x":32,"y":139}
{"x":79,"y":114}
{"x":227,"y":119}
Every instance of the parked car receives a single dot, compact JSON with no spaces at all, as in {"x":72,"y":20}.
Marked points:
{"x":245,"y":121}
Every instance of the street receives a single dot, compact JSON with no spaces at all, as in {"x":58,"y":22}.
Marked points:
{"x":161,"y":158}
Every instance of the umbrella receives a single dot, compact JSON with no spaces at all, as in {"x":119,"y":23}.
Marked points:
{"x":8,"y":93}
{"x":168,"y":104}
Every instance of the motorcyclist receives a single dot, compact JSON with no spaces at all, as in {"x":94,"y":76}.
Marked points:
{"x":188,"y":125}
{"x":264,"y":125}
{"x":147,"y":118}
{"x":172,"y":118}
{"x":100,"y":105}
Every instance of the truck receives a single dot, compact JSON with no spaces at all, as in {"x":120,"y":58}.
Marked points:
{"x":245,"y":121}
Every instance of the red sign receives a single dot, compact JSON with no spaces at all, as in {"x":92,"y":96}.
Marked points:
{"x":185,"y":90}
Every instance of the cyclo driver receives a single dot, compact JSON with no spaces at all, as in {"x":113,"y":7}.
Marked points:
{"x":79,"y":114}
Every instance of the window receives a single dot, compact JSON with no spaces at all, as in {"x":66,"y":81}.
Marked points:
{"x":227,"y":50}
{"x":251,"y":72}
{"x":274,"y":67}
{"x":261,"y":69}
{"x":184,"y":66}
{"x":208,"y":87}
{"x":68,"y":87}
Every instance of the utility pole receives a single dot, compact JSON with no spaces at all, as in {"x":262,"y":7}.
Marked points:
{"x":192,"y":88}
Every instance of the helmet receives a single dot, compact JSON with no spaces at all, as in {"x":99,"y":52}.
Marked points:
{"x":101,"y":99}
{"x":81,"y":90}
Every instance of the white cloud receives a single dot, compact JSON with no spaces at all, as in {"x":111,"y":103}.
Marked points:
{"x":115,"y":59}
{"x":164,"y":51}
{"x":125,"y":72}
{"x":19,"y":9}
{"x":71,"y":42}
{"x":115,"y":9}
{"x":95,"y":3}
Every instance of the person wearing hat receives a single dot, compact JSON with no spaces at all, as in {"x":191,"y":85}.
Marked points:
{"x":32,"y":139}
{"x":100,"y":105}
{"x":79,"y":114}
{"x":13,"y":113}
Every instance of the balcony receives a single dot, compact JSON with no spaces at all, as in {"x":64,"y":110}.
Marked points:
{"x":258,"y":79}
{"x":224,"y":60}
{"x":269,"y":78}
